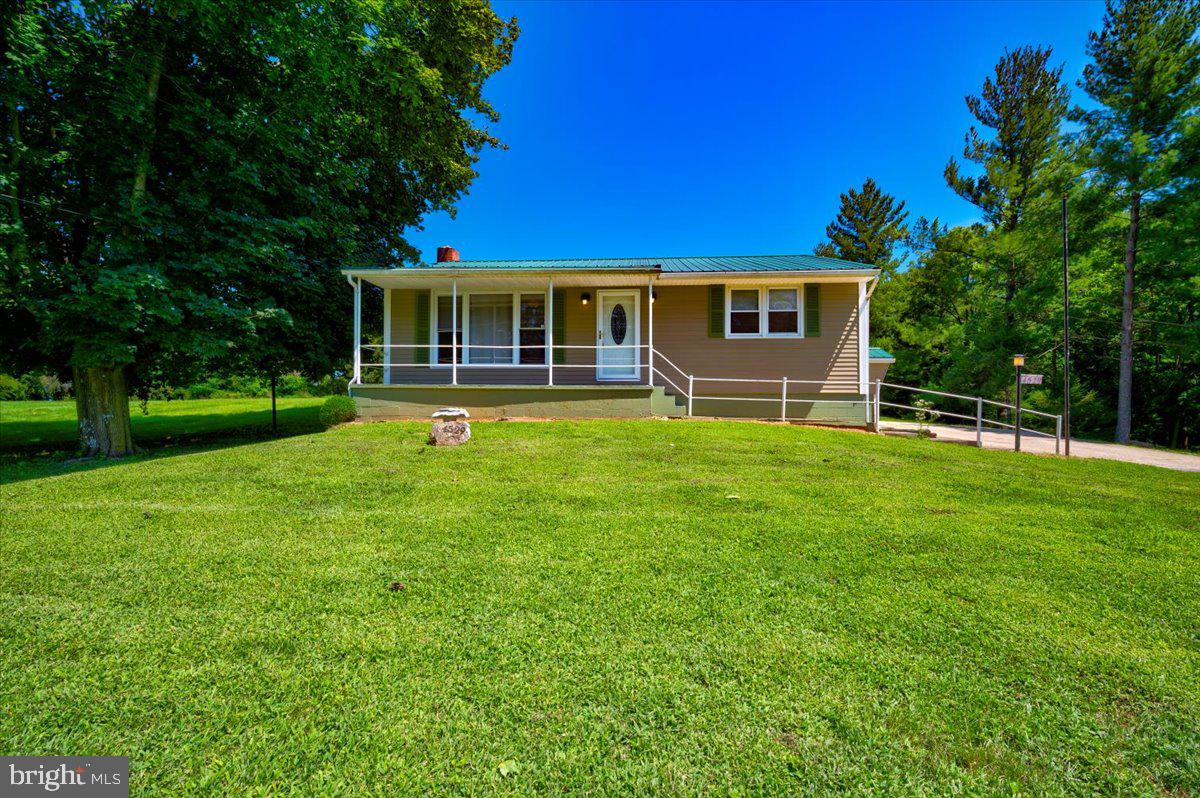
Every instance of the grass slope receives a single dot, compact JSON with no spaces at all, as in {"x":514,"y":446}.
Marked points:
{"x":608,"y":607}
{"x":35,"y":426}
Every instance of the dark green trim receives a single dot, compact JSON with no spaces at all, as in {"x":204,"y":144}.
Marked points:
{"x":812,"y":311}
{"x":421,"y":328}
{"x":716,"y":311}
{"x":559,"y":326}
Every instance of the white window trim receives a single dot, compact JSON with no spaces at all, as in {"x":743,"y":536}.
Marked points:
{"x":464,"y":322}
{"x":763,"y":295}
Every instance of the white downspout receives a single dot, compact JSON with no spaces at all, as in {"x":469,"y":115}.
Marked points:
{"x":864,"y":337}
{"x":650,"y":355}
{"x":357,"y":330}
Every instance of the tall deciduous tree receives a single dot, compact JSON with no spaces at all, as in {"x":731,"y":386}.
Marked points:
{"x":869,"y":225}
{"x":184,"y":178}
{"x":1144,"y":79}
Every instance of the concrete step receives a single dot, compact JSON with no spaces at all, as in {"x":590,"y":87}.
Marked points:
{"x":666,"y":403}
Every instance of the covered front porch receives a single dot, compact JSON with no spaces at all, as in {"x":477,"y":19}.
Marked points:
{"x":522,"y":330}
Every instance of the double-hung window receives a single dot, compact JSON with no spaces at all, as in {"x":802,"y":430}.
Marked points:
{"x":764,"y":313}
{"x":744,"y":313}
{"x":532,"y":333}
{"x":445,"y":334}
{"x":783,"y":311}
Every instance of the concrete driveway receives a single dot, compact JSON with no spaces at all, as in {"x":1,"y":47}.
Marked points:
{"x":1038,"y":444}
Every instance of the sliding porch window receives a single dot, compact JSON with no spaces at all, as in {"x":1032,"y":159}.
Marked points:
{"x":490,"y":328}
{"x":494,"y":328}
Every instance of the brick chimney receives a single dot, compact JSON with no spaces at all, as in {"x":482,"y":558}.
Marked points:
{"x":447,"y":254}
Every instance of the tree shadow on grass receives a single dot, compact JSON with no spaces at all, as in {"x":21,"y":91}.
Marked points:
{"x":39,"y":449}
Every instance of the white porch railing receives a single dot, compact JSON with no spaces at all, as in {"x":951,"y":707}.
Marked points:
{"x":647,"y":373}
{"x":677,"y":379}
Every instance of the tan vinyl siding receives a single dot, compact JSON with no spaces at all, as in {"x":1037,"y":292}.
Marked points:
{"x":681,"y":334}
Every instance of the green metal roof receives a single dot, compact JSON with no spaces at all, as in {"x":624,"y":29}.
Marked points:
{"x":879,"y":353}
{"x":729,"y":263}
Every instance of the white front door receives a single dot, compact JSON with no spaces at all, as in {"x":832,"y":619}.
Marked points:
{"x":618,"y":330}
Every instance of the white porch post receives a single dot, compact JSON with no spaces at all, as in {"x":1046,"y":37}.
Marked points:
{"x":650,"y":354}
{"x":358,"y":330}
{"x":453,"y":331}
{"x":550,"y":331}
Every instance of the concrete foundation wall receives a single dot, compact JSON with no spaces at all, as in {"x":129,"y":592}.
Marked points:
{"x":397,"y":402}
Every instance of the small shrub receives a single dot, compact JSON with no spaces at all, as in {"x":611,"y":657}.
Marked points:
{"x":924,"y":415}
{"x":338,"y":410}
{"x":11,"y":389}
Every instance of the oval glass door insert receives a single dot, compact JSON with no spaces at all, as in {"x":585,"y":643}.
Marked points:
{"x":617,"y":324}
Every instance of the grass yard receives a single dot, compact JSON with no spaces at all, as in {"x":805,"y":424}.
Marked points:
{"x":36,"y":426}
{"x":606,"y":607}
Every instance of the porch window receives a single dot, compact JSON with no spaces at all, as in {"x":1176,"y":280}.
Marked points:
{"x":491,"y":328}
{"x":532,"y":334}
{"x":783,"y":311}
{"x":743,"y":311}
{"x":445,"y":337}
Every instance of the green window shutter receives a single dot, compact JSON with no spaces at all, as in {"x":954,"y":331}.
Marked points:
{"x":812,"y":311}
{"x":559,"y":326}
{"x":716,"y":311}
{"x":421,"y":333}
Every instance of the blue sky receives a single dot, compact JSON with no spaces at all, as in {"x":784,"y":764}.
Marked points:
{"x":655,"y":129}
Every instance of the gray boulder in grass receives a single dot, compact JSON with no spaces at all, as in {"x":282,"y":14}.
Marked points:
{"x":450,"y":427}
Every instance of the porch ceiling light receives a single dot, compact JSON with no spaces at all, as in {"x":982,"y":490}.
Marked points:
{"x":585,"y":297}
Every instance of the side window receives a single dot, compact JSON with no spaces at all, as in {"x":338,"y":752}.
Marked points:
{"x":744,"y":311}
{"x":783,"y":311}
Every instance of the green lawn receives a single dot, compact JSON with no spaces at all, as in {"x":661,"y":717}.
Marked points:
{"x":606,"y":607}
{"x":34,"y":426}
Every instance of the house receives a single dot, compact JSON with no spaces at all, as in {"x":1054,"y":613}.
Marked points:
{"x":775,"y":336}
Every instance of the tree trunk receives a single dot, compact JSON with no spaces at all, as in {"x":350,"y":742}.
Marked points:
{"x":1125,"y":380}
{"x":274,"y":419}
{"x":143,"y":164}
{"x":102,"y":408}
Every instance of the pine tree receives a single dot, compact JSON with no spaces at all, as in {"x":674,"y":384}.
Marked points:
{"x":1022,"y":105}
{"x":868,"y":226}
{"x":1144,"y":76}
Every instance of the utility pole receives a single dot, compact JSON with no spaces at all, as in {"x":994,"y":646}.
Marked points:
{"x":1018,"y":361}
{"x":1066,"y":335}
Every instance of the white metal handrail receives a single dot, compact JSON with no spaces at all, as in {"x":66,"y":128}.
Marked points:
{"x":978,"y":418}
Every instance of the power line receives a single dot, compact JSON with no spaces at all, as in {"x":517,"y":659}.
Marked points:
{"x":48,"y":207}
